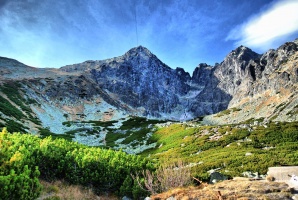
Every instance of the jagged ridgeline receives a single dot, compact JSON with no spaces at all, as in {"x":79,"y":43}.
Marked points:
{"x":70,"y":99}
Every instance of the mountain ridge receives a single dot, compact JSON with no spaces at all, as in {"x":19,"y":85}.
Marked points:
{"x":139,"y":84}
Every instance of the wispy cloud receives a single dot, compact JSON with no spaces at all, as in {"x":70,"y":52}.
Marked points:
{"x":41,"y":33}
{"x":178,"y":31}
{"x":265,"y":29}
{"x":45,"y":33}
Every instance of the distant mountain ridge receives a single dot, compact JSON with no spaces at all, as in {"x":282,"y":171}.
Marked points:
{"x":139,"y":84}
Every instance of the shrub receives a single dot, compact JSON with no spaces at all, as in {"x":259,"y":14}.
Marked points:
{"x":167,"y":176}
{"x":24,"y":157}
{"x":24,"y":185}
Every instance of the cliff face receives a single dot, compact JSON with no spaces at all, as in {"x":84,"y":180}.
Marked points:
{"x":138,"y":83}
{"x":210,"y":98}
{"x":233,"y":70}
{"x":265,"y":86}
{"x":142,"y":81}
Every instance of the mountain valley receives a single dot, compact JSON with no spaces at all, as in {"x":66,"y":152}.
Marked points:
{"x":236,"y":118}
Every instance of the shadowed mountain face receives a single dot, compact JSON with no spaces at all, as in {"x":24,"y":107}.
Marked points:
{"x":138,"y":83}
{"x":142,"y":81}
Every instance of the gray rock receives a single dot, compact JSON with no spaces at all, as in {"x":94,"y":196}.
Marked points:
{"x":248,"y":154}
{"x":126,"y":198}
{"x":171,"y":198}
{"x":216,"y":177}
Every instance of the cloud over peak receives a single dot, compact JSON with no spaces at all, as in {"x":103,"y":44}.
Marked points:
{"x":263,"y":30}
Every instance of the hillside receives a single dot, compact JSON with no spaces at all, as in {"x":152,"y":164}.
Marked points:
{"x":230,"y":150}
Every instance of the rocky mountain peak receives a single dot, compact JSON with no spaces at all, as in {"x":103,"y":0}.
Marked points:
{"x":243,"y":53}
{"x":8,"y":62}
{"x":182,"y":74}
{"x":181,"y":71}
{"x":232,"y":71}
{"x":201,"y":75}
{"x":203,"y":65}
{"x":202,"y":72}
{"x":137,"y":51}
{"x":288,"y":48}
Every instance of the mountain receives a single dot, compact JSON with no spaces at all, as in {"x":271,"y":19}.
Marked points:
{"x":246,"y":85}
{"x":261,"y":86}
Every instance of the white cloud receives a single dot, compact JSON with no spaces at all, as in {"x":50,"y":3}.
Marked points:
{"x":263,"y":30}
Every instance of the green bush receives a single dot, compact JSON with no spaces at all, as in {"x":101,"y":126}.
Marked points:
{"x":24,"y":185}
{"x":125,"y":189}
{"x":18,"y":180}
{"x":24,"y":157}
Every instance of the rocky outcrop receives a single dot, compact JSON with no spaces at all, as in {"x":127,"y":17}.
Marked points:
{"x":206,"y":102}
{"x":264,"y":87}
{"x":233,"y":70}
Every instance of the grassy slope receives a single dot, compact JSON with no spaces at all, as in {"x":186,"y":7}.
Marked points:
{"x":211,"y":147}
{"x":19,"y":113}
{"x":226,"y":147}
{"x":207,"y":147}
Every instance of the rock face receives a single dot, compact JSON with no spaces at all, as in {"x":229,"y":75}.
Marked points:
{"x":209,"y":97}
{"x":138,"y":83}
{"x":142,"y":81}
{"x":264,"y":86}
{"x":234,"y":69}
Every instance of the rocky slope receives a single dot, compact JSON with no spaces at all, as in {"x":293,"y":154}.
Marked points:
{"x":138,"y":83}
{"x":262,"y":86}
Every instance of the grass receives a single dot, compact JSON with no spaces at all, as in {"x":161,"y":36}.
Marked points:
{"x":61,"y":190}
{"x":133,"y":131}
{"x":9,"y":110}
{"x":20,"y":112}
{"x":12,"y":90}
{"x":136,"y":136}
{"x":230,"y":189}
{"x":129,"y":137}
{"x":228,"y":150}
{"x":134,"y":122}
{"x":13,"y":126}
{"x":226,"y":153}
{"x":252,"y":120}
{"x":45,"y":132}
{"x":104,"y":124}
{"x":227,"y":112}
{"x":112,"y":137}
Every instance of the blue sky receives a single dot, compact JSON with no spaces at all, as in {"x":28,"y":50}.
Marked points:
{"x":182,"y":33}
